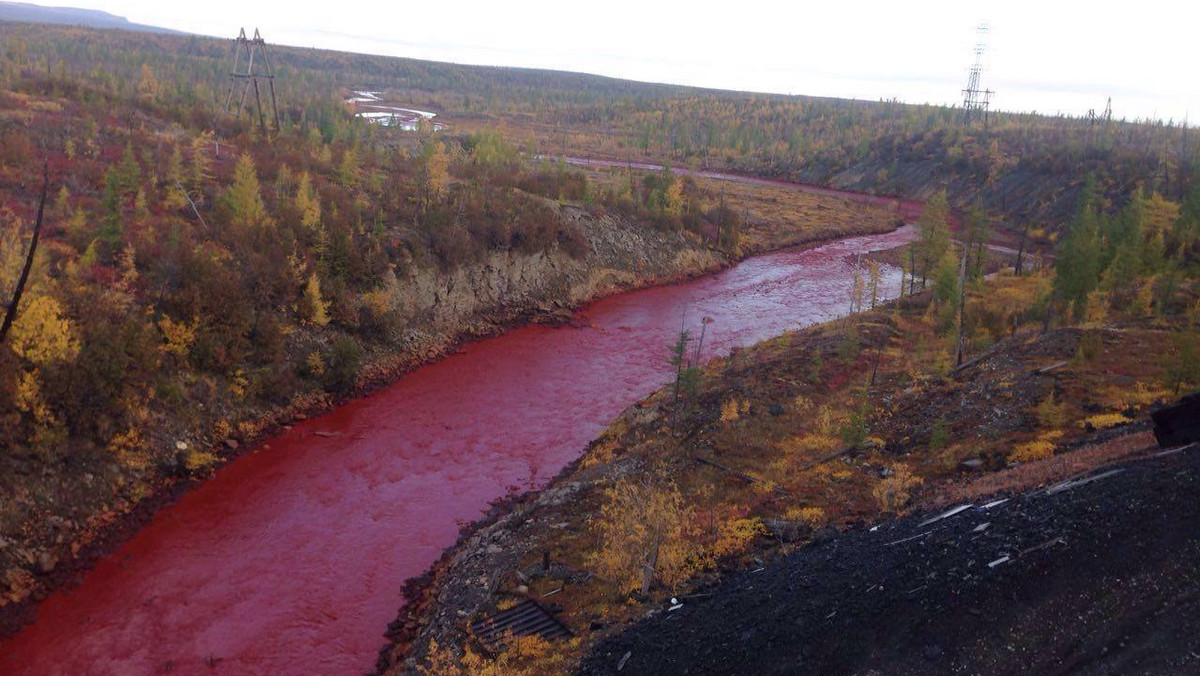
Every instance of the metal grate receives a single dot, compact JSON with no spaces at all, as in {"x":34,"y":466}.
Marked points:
{"x":527,"y":618}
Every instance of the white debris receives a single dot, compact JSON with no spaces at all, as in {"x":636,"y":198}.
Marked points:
{"x":1068,"y":485}
{"x":982,"y":527}
{"x":994,"y":503}
{"x":947,"y":515}
{"x":919,"y":535}
{"x":1002,"y":559}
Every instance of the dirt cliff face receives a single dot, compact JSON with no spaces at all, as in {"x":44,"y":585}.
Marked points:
{"x":510,"y":285}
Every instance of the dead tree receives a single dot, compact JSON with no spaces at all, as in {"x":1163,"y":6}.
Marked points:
{"x":962,"y":306}
{"x":1021,"y":251}
{"x":10,"y":313}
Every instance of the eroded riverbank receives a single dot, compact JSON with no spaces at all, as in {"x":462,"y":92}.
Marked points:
{"x":290,"y":559}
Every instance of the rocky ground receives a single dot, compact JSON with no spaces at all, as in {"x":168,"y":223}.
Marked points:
{"x":1100,"y":575}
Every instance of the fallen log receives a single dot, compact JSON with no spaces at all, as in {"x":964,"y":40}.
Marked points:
{"x":741,"y":475}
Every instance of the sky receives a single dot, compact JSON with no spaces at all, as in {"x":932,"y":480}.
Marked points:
{"x":1048,"y":56}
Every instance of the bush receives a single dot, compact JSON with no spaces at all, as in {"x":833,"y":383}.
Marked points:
{"x":341,"y":371}
{"x":1104,"y":421}
{"x":894,"y":493}
{"x":1050,"y":413}
{"x":1032,"y":451}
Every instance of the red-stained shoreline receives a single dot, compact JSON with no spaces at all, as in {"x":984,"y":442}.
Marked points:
{"x":290,"y":560}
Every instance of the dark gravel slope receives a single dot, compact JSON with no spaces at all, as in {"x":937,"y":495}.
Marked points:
{"x":1101,"y":578}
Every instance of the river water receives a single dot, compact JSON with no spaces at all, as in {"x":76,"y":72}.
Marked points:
{"x":290,"y":560}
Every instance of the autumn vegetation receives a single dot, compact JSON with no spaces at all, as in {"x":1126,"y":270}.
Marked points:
{"x":196,"y":271}
{"x":754,"y":454}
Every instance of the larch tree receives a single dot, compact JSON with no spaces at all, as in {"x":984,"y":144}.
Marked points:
{"x":314,"y":309}
{"x":933,"y":234}
{"x":309,"y":203}
{"x":874,"y":275}
{"x":244,"y":197}
{"x":434,"y":171}
{"x":1078,"y":265}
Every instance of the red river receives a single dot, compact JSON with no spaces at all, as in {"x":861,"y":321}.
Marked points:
{"x":291,"y":558}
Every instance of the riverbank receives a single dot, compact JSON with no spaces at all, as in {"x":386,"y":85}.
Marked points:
{"x":783,"y":444}
{"x":465,"y":304}
{"x":454,"y":307}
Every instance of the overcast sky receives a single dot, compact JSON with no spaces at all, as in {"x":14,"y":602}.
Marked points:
{"x":1048,"y":55}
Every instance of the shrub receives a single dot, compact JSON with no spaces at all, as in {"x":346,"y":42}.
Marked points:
{"x":1050,"y":413}
{"x":735,"y":535}
{"x":1104,"y":421}
{"x":1039,"y":449}
{"x":813,"y":517}
{"x":894,"y":493}
{"x":341,"y":371}
{"x":939,"y":436}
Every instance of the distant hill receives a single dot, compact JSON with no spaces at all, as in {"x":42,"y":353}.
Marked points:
{"x":72,"y":16}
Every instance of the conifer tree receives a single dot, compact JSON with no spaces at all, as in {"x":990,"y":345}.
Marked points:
{"x":244,"y":197}
{"x":314,"y":310}
{"x":1078,"y":267}
{"x":309,"y":203}
{"x":933,"y":234}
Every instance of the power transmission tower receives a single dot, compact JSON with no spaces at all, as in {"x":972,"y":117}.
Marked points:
{"x":1105,"y":118}
{"x":248,"y":79}
{"x":977,"y":100}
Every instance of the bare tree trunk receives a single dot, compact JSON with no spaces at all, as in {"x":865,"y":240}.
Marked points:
{"x":1021,"y":250}
{"x":10,"y":314}
{"x":648,"y":568}
{"x":912,"y":269}
{"x":962,"y":305}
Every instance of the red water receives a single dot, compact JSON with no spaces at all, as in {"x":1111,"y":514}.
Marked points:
{"x":290,"y":560}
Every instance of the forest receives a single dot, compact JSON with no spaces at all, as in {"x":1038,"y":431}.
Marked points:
{"x":193,"y":270}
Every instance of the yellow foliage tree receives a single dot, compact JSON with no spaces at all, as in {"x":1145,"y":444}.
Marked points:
{"x":149,"y":88}
{"x":177,"y":336}
{"x":435,"y":171}
{"x":42,"y":334}
{"x":244,"y":197}
{"x":894,"y":492}
{"x":201,"y":162}
{"x":522,"y":656}
{"x":673,"y":199}
{"x":314,"y":310}
{"x":641,"y":530}
{"x":1160,"y":214}
{"x":308,"y":202}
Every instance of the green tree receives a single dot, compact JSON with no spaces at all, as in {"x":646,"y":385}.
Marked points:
{"x":244,"y":197}
{"x":933,"y":234}
{"x":1078,"y":266}
{"x":978,"y":232}
{"x":112,"y":206}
